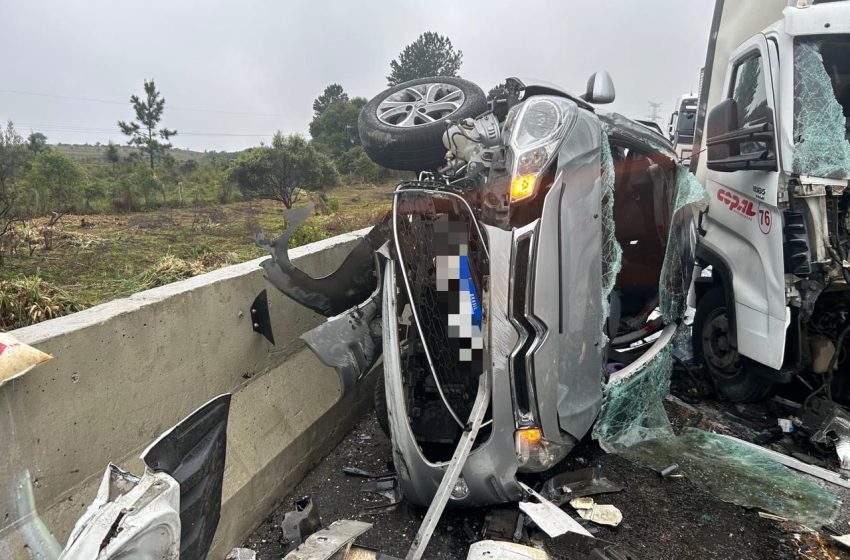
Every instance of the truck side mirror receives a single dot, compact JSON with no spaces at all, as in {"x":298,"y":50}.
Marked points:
{"x":725,"y":138}
{"x":600,"y":88}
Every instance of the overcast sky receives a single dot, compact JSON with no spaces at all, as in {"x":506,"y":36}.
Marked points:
{"x":267,"y":60}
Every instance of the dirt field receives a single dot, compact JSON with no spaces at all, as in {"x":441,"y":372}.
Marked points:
{"x":96,"y":258}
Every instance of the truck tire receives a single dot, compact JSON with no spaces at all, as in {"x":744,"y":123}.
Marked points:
{"x":734,"y":376}
{"x":381,"y":406}
{"x":402,"y":127}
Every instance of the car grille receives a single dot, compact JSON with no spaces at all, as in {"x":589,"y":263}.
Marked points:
{"x":434,"y":231}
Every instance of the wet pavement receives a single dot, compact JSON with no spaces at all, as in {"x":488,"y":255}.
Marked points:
{"x":663,"y":518}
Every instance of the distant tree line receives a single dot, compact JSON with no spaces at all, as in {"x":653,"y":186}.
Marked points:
{"x":37,"y":179}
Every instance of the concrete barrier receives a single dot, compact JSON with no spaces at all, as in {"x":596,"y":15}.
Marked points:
{"x":129,"y":369}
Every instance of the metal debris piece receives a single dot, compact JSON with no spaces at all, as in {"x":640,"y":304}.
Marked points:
{"x":576,"y":484}
{"x":835,"y":430}
{"x":796,"y":464}
{"x":597,"y":513}
{"x":241,"y":554}
{"x":331,"y":543}
{"x":387,"y":487}
{"x":491,"y":550}
{"x":582,"y":503}
{"x":354,"y":471}
{"x":300,"y":523}
{"x":520,"y":527}
{"x":550,"y":518}
{"x":765,"y":515}
{"x":667,"y":471}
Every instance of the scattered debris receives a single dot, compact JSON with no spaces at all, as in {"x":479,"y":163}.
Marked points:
{"x":570,"y":545}
{"x":501,"y":523}
{"x":241,"y":554}
{"x":786,"y":424}
{"x":489,"y":550}
{"x":598,"y":513}
{"x":387,"y":488}
{"x":843,"y":539}
{"x":834,"y":429}
{"x":582,"y":503}
{"x":765,"y":515}
{"x":300,"y":523}
{"x":333,"y":542}
{"x":576,"y":484}
{"x":551,"y":519}
{"x":668,"y":471}
{"x":354,"y":471}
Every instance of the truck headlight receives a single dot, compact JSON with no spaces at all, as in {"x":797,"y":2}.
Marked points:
{"x":534,"y":130}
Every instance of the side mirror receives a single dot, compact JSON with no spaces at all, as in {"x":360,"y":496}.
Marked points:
{"x":600,"y":89}
{"x":732,"y":148}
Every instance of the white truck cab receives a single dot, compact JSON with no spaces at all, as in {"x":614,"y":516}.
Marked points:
{"x":776,"y":164}
{"x":681,"y":126}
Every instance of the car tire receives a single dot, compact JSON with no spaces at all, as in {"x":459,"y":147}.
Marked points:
{"x":734,"y":376}
{"x":381,"y":405}
{"x":408,"y":134}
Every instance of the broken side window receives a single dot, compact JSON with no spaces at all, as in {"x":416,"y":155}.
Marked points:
{"x":821,"y":104}
{"x":612,"y":253}
{"x":748,"y":90}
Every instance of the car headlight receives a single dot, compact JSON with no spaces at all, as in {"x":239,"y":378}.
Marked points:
{"x":534,"y":453}
{"x":534,"y":130}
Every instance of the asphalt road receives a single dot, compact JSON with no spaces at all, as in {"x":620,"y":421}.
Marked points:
{"x":662,"y":518}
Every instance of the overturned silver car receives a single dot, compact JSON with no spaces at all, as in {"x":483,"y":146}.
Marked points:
{"x":543,"y":248}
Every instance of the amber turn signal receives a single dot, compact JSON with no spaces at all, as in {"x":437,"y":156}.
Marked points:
{"x":523,"y":187}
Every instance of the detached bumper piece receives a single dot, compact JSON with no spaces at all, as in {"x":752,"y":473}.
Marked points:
{"x":349,"y":285}
{"x":350,"y":341}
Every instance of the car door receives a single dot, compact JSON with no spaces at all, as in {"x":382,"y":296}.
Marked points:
{"x":744,"y":224}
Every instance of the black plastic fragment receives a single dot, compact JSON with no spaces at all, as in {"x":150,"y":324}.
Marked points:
{"x":349,"y":285}
{"x":563,"y":487}
{"x":193,"y":453}
{"x":260,"y":321}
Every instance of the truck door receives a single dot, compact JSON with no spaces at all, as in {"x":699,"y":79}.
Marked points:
{"x":744,"y":225}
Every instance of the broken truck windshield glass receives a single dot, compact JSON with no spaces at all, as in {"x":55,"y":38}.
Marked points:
{"x":821,"y":106}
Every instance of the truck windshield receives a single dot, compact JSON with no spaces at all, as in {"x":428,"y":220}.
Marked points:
{"x":687,"y":122}
{"x":821,"y":106}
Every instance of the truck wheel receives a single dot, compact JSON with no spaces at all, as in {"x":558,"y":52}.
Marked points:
{"x":402,"y":127}
{"x":381,"y":406}
{"x":734,"y":375}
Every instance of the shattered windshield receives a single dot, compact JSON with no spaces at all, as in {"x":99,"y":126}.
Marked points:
{"x":821,"y":106}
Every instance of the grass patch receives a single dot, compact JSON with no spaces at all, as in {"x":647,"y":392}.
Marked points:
{"x":97,"y":258}
{"x":29,"y":299}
